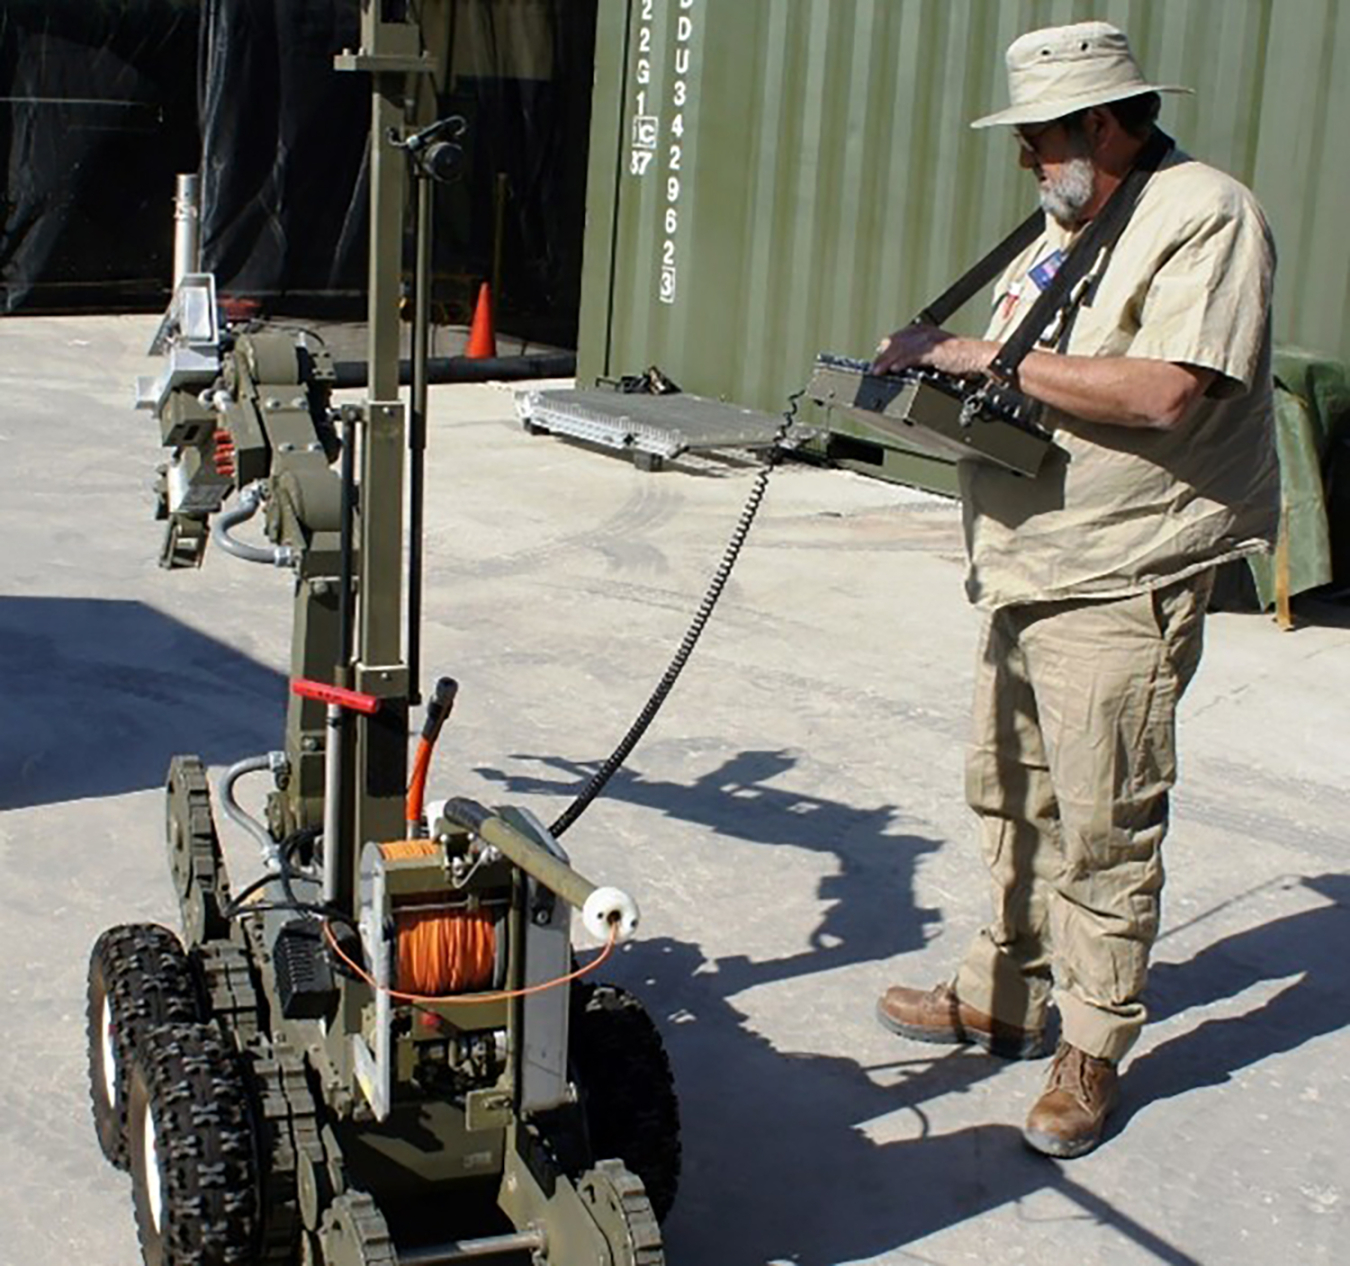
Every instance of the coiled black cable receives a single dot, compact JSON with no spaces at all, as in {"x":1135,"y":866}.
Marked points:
{"x":663,"y":688}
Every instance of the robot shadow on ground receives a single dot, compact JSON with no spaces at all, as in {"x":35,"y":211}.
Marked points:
{"x":871,"y":913}
{"x":99,"y":694}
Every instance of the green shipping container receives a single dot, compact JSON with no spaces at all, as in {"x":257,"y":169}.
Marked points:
{"x":773,"y":178}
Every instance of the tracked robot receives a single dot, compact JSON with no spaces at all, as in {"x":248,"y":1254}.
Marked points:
{"x":381,"y":1050}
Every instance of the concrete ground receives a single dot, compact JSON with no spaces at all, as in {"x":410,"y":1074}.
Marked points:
{"x":792,"y":825}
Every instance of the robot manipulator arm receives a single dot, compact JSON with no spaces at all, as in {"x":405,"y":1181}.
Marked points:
{"x":268,"y":438}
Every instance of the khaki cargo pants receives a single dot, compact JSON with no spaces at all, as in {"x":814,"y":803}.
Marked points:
{"x":1069,"y":770}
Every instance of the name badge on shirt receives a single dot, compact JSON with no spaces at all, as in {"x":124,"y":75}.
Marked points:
{"x":1044,"y":272}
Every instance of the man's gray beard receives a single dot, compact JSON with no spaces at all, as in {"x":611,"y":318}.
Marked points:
{"x":1067,"y":194}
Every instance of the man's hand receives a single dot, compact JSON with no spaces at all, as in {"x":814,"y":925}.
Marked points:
{"x":934,"y":348}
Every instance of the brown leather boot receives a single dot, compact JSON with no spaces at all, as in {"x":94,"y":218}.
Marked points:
{"x":940,"y":1016}
{"x":1080,"y":1092}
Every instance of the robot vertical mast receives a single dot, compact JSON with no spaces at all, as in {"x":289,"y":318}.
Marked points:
{"x":390,"y":52}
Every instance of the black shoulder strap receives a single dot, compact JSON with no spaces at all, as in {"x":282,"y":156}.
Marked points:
{"x":960,"y":292}
{"x":1099,"y":237}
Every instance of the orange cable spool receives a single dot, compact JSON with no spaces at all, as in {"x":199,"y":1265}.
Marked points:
{"x":499,"y":996}
{"x":441,"y":951}
{"x":406,"y":850}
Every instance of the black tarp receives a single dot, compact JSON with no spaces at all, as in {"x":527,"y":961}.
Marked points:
{"x":283,"y":150}
{"x":284,"y":155}
{"x":525,"y":86}
{"x":97,"y":114}
{"x":114,"y":97}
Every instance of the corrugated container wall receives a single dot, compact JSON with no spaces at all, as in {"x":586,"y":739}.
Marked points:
{"x":773,"y":178}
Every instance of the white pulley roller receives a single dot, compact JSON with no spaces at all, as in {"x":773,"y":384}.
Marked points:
{"x":608,"y":908}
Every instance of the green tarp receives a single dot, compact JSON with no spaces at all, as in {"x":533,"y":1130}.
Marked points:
{"x":1312,"y":407}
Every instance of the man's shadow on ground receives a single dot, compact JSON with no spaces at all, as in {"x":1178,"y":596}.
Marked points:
{"x":1313,"y":945}
{"x":779,"y":1166}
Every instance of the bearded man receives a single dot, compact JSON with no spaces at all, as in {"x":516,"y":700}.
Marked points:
{"x":1094,"y":575}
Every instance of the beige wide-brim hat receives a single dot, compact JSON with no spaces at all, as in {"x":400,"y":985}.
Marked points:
{"x":1061,"y":69}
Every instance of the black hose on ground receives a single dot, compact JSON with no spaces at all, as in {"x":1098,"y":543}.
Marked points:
{"x":451,"y":369}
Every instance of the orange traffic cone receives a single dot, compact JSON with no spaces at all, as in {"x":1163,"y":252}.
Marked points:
{"x":482,"y":342}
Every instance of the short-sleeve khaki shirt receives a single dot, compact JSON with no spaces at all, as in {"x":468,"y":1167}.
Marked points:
{"x":1119,"y":510}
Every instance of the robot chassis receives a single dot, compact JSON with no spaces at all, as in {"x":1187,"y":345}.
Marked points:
{"x":357,"y":1055}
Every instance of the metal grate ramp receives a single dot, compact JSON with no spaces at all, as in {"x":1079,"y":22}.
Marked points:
{"x":653,"y":428}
